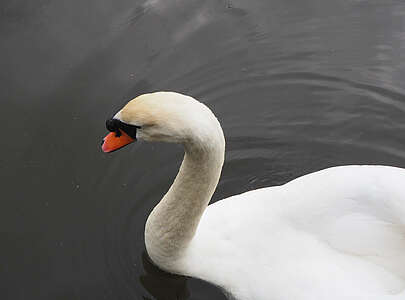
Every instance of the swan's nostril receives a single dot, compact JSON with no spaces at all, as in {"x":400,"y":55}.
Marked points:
{"x":102,"y":141}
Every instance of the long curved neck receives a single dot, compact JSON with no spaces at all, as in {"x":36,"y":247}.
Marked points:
{"x":173,"y":222}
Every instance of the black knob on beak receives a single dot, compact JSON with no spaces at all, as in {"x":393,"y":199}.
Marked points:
{"x":112,"y":125}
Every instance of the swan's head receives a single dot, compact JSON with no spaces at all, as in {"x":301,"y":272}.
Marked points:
{"x":162,"y":116}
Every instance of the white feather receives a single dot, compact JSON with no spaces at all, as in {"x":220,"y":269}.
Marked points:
{"x":336,"y":234}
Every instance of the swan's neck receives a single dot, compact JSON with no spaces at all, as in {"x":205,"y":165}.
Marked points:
{"x":173,"y":222}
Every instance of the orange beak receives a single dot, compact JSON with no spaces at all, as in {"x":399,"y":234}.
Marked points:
{"x":113,"y":142}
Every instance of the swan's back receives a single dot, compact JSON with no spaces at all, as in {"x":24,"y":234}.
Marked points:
{"x":335,"y":234}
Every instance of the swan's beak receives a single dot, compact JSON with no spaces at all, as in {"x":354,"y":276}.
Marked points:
{"x":113,"y":142}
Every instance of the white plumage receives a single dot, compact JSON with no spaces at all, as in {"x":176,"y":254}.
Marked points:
{"x":336,"y":234}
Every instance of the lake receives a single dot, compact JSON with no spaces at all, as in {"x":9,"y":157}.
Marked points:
{"x":298,"y":86}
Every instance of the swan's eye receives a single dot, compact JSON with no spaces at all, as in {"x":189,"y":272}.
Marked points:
{"x":129,"y":129}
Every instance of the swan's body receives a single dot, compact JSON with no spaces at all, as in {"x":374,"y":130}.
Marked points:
{"x":336,"y":234}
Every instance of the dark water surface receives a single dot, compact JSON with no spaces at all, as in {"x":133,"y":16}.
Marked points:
{"x":297,"y":85}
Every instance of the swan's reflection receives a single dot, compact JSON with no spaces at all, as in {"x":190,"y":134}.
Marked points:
{"x":162,"y":285}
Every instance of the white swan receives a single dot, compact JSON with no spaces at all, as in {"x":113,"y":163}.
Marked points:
{"x":336,"y":234}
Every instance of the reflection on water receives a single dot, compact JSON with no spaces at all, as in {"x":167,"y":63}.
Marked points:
{"x":298,"y":86}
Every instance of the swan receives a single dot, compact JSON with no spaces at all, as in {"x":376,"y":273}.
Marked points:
{"x":335,"y":234}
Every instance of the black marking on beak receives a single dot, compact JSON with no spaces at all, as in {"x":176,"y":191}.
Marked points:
{"x":114,"y":125}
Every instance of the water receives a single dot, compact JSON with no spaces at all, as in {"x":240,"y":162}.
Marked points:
{"x":297,"y":85}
